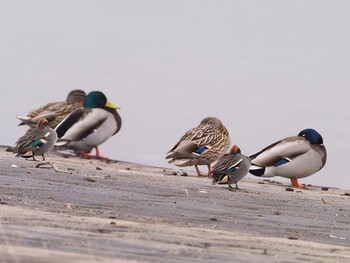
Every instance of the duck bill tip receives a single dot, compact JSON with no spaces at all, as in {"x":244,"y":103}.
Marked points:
{"x":111,"y":105}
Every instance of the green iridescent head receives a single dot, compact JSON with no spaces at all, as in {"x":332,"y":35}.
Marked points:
{"x":97,"y":99}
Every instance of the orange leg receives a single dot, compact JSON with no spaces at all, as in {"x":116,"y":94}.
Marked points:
{"x":198,"y":172}
{"x":97,"y":155}
{"x":295,"y":183}
{"x":209,"y":171}
{"x":84,"y":155}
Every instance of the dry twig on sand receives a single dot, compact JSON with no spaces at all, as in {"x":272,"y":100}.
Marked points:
{"x":54,"y":166}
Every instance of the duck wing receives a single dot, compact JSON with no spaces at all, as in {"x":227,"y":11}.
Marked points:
{"x":46,"y":107}
{"x":183,"y":149}
{"x":33,"y":139}
{"x":194,"y":142}
{"x":49,"y":115}
{"x":228,"y":163}
{"x":205,"y":136}
{"x":50,"y":111}
{"x":281,"y":152}
{"x":80,"y":123}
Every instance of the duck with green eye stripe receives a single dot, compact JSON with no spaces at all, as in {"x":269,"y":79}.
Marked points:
{"x":231,"y":168}
{"x":38,"y":140}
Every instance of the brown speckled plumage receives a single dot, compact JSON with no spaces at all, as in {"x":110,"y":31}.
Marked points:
{"x":201,"y":145}
{"x":55,"y":112}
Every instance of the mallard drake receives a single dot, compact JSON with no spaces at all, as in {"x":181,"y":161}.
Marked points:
{"x":231,"y":167}
{"x":293,"y":157}
{"x":90,"y":126}
{"x":55,"y":112}
{"x":201,"y":145}
{"x":38,"y":140}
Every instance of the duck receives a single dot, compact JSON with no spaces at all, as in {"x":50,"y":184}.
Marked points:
{"x":38,"y":140}
{"x":201,"y":145}
{"x":231,"y":168}
{"x":55,"y":112}
{"x":89,"y":126}
{"x":293,"y":157}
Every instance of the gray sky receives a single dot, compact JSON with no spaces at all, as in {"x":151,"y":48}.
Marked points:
{"x":267,"y":69}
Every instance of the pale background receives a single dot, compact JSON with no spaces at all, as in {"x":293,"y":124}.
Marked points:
{"x":267,"y":69}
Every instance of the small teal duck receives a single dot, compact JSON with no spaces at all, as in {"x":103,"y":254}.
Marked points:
{"x":90,"y":126}
{"x":55,"y":112}
{"x":231,"y":168}
{"x":38,"y":140}
{"x":202,"y":145}
{"x":293,"y":157}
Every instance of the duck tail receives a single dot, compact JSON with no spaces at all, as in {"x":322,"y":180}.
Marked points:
{"x":215,"y":178}
{"x":61,"y":143}
{"x":25,"y":121}
{"x":224,"y":179}
{"x":26,"y":155}
{"x":257,"y":170}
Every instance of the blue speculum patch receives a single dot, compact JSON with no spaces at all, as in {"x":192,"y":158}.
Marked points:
{"x":200,"y":150}
{"x":280,"y":162}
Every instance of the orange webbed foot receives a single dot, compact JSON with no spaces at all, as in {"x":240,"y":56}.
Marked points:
{"x":295,"y":183}
{"x":83,"y":154}
{"x":198,"y":172}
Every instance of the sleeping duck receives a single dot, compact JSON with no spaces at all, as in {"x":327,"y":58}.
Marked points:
{"x":293,"y":157}
{"x":38,"y":140}
{"x":55,"y":112}
{"x":231,"y":168}
{"x":201,"y":145}
{"x":89,"y":126}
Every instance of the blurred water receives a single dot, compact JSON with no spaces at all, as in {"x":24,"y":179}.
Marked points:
{"x":266,"y":69}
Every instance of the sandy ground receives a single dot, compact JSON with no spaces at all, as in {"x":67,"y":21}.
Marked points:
{"x":122,"y":212}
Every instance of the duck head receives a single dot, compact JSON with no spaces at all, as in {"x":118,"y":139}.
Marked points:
{"x":76,"y":96}
{"x":235,"y":149}
{"x":97,"y":99}
{"x":312,"y":136}
{"x":43,"y":123}
{"x":212,"y":121}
